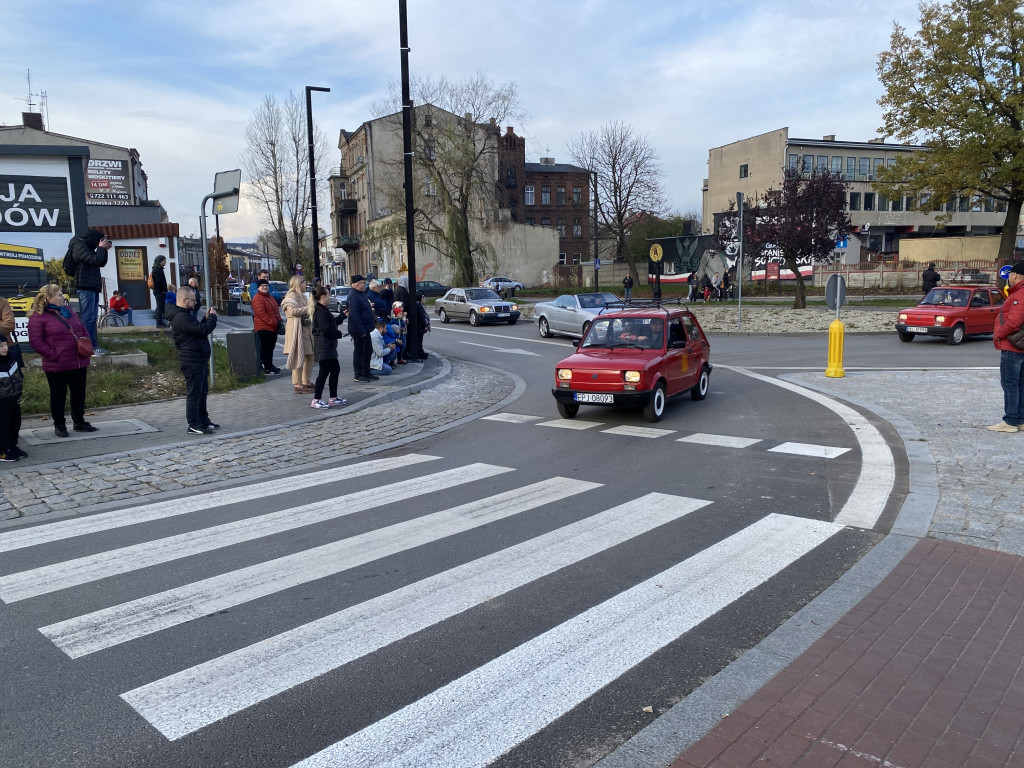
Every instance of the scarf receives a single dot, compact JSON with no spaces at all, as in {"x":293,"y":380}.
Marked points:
{"x":63,"y":311}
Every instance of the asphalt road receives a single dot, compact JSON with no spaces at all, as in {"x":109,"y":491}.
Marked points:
{"x":515,"y":591}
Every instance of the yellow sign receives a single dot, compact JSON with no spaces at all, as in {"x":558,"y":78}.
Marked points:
{"x":656,"y":252}
{"x":131,"y":264}
{"x":20,"y":256}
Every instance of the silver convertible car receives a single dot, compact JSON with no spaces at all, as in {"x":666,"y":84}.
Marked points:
{"x":572,"y":315}
{"x":477,"y":305}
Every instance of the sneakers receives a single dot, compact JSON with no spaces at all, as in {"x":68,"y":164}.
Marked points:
{"x":7,"y":456}
{"x":60,"y":431}
{"x":211,"y":425}
{"x":336,"y":401}
{"x":85,"y":426}
{"x":99,"y":352}
{"x":319,"y":404}
{"x":374,"y":377}
{"x":361,"y":379}
{"x":16,"y":451}
{"x":273,"y":372}
{"x":1002,"y":426}
{"x":200,"y":430}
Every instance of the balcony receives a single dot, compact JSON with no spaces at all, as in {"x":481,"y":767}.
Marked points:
{"x":348,"y":206}
{"x":349,"y":242}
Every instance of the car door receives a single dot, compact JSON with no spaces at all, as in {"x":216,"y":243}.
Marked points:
{"x":562,"y":313}
{"x":460,"y":309}
{"x":695,"y":353}
{"x":979,"y":312}
{"x":676,"y":368}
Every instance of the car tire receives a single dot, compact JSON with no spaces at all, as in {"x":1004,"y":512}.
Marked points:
{"x":906,"y":336}
{"x":656,"y":407}
{"x":700,"y":391}
{"x":513,"y":321}
{"x":473,"y":319}
{"x":568,"y":410}
{"x":956,"y":336}
{"x":443,"y":315}
{"x":543,"y":328}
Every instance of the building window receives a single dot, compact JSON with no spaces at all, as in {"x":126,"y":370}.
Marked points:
{"x":560,"y":195}
{"x":545,"y":195}
{"x":869,"y":201}
{"x":837,"y":164}
{"x":794,"y":161}
{"x":822,"y":162}
{"x":530,"y":220}
{"x":577,"y":195}
{"x":744,"y":171}
{"x":430,"y":149}
{"x":851,"y":168}
{"x":897,"y":204}
{"x":883,"y":203}
{"x":428,"y":119}
{"x":864,"y":170}
{"x":576,"y":258}
{"x":877,"y":163}
{"x":510,"y":179}
{"x":545,"y":222}
{"x":855,"y":201}
{"x":561,"y":227}
{"x":528,"y":195}
{"x":577,"y":228}
{"x":429,"y":187}
{"x":808,"y":164}
{"x":561,"y":258}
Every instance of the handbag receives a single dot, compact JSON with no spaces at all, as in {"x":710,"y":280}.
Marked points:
{"x":83,"y":343}
{"x":1017,"y":339}
{"x":281,"y":327}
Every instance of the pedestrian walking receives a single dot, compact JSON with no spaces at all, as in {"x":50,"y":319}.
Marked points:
{"x":694,"y":286}
{"x":158,"y":284}
{"x":89,"y":253}
{"x":726,"y":286}
{"x":266,"y":318}
{"x":326,"y":332}
{"x":361,"y":323}
{"x":192,"y":340}
{"x":1008,"y":337}
{"x":930,"y":278}
{"x":627,"y":286}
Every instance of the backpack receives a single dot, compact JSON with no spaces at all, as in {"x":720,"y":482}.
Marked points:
{"x":149,"y":281}
{"x":69,"y":265}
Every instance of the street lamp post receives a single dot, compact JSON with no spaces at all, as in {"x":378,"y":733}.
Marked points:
{"x":413,"y":318}
{"x":312,"y":177}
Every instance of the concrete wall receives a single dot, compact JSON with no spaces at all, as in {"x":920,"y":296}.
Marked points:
{"x":936,"y":249}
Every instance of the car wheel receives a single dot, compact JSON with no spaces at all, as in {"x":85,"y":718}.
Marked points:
{"x":906,"y":336}
{"x":568,"y":410}
{"x":700,"y":391}
{"x":956,"y":336}
{"x":656,"y":407}
{"x":513,"y":321}
{"x":543,"y":328}
{"x":443,"y":315}
{"x":473,"y":319}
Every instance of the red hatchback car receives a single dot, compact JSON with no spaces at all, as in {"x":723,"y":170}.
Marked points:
{"x":951,"y":313}
{"x":635,"y":358}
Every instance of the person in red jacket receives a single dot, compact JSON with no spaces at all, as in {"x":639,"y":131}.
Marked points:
{"x":119,"y":306}
{"x":266,"y":316}
{"x":1011,"y":357}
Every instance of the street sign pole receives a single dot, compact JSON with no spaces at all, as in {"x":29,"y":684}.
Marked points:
{"x":225,"y":194}
{"x":739,"y":263}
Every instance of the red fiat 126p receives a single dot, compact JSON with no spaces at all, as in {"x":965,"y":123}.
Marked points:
{"x":635,"y":358}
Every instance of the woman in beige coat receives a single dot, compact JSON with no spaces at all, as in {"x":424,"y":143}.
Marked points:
{"x":298,"y":337}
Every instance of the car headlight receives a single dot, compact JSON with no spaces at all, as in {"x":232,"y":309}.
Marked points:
{"x":515,"y":307}
{"x":632,"y":377}
{"x":903,"y":317}
{"x":486,"y":309}
{"x":565,"y":374}
{"x":940,"y":319}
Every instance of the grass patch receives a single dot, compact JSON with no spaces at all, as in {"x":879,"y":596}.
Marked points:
{"x":125,"y":384}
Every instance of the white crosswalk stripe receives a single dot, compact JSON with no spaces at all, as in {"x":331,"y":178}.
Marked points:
{"x":807,"y":449}
{"x":71,"y":573}
{"x":196,"y":697}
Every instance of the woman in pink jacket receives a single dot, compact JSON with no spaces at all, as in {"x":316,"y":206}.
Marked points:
{"x":53,"y":331}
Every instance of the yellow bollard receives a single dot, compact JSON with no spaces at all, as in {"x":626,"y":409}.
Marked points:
{"x":835,"y":350}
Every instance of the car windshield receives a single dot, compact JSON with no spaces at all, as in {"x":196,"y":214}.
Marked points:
{"x":481,"y":294}
{"x":635,"y":332}
{"x":946,"y":297}
{"x":597,"y":300}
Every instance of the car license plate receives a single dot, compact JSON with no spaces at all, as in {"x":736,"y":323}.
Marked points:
{"x":586,"y":397}
{"x":503,"y":314}
{"x":917,"y":329}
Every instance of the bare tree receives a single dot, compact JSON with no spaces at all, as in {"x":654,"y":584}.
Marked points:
{"x":628,"y":175}
{"x":275,"y":166}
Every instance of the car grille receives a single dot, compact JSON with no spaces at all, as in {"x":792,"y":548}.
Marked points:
{"x":502,"y":307}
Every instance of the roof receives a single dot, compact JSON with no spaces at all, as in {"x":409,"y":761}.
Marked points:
{"x":556,"y":168}
{"x":140,"y":231}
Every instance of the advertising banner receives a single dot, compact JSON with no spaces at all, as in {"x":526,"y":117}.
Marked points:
{"x":131,"y":263}
{"x":34,"y":204}
{"x":106,"y":183}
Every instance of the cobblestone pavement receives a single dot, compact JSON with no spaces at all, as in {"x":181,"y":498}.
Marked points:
{"x":980,"y":482}
{"x":78,"y":484}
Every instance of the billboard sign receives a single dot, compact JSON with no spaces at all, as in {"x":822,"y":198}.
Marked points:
{"x":106,"y":183}
{"x":34,"y":204}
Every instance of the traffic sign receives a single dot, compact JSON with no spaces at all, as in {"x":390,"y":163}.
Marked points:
{"x":1004,"y":272}
{"x":835,"y":292}
{"x":656,"y":252}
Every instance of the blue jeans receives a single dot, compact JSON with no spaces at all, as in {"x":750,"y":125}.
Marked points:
{"x":628,"y":291}
{"x":1011,"y":379}
{"x":88,"y":306}
{"x":125,"y":313}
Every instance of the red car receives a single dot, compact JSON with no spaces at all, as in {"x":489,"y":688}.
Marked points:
{"x":951,"y":313}
{"x":635,"y":358}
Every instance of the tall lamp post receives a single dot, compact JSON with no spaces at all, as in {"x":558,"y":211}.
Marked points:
{"x":312,"y":177}
{"x":410,"y":225}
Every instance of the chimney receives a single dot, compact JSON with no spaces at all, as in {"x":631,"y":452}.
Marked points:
{"x":508,"y":129}
{"x":829,"y":137}
{"x":547,"y":161}
{"x":32,"y":120}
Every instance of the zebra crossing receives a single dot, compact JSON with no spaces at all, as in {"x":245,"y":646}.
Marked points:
{"x":556,"y":670}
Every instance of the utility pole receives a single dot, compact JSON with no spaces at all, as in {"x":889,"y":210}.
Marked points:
{"x":312,"y":178}
{"x":410,"y":226}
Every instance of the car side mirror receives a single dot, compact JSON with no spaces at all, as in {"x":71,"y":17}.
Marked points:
{"x":677,"y":343}
{"x":575,"y":342}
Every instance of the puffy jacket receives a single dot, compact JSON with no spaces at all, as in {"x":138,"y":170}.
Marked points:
{"x":380,"y":307}
{"x":12,"y":375}
{"x":1009,"y":319}
{"x":325,"y":333}
{"x":89,"y":258}
{"x":360,"y":316}
{"x":55,"y":343}
{"x":266,"y":314}
{"x":191,"y":336}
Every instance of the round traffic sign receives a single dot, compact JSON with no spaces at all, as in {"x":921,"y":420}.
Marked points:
{"x":1004,"y":272}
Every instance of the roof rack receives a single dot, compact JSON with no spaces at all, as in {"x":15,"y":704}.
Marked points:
{"x":641,"y":304}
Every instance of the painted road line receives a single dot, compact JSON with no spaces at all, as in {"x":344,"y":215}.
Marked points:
{"x":721,"y":441}
{"x":184,"y":702}
{"x":120,"y":623}
{"x":513,"y":418}
{"x":66,"y":529}
{"x":628,"y":431}
{"x":82,"y":570}
{"x":477,"y":718}
{"x":570,"y":424}
{"x":809,"y":449}
{"x":877,"y":475}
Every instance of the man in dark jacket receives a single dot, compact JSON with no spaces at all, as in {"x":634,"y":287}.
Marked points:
{"x":90,"y":254}
{"x":192,"y":338}
{"x":159,"y":289}
{"x":377,"y":303}
{"x":361,"y":323}
{"x":388,"y":293}
{"x":930,"y":278}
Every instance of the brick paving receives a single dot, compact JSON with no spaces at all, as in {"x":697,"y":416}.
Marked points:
{"x":927,"y":671}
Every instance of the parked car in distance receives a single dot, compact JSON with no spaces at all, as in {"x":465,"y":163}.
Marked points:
{"x":432,"y":288}
{"x":635,"y":358}
{"x":571,"y":315}
{"x":235,"y":292}
{"x":951,"y":313}
{"x":339,"y":297}
{"x":278,"y":288}
{"x":501,"y":284}
{"x":477,"y":305}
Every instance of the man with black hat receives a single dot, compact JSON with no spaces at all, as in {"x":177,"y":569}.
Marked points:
{"x":1008,"y":339}
{"x":159,"y":287}
{"x":361,"y":323}
{"x":930,"y":277}
{"x":90,"y":254}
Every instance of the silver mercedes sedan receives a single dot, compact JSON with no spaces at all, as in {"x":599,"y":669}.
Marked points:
{"x":571,"y":315}
{"x":477,"y":305}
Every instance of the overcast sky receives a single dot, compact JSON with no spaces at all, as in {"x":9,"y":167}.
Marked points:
{"x":178,"y":79}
